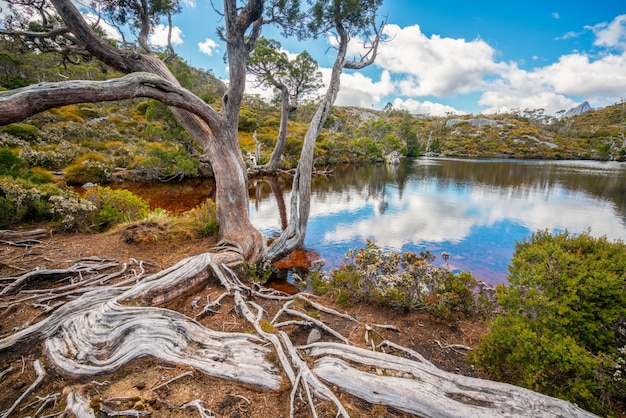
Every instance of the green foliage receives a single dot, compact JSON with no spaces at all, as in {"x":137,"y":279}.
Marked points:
{"x":204,"y":218}
{"x":21,"y":130}
{"x":114,"y":207}
{"x":10,"y":164}
{"x":89,"y":168}
{"x":563,"y":320}
{"x":22,"y":200}
{"x":405,"y":282}
{"x":165,"y":164}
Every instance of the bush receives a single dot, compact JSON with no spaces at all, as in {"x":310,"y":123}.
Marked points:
{"x":204,"y":219}
{"x":114,"y":207}
{"x":404,"y":281}
{"x":562,"y":330}
{"x":168,"y":165}
{"x":90,"y":168}
{"x":22,"y":130}
{"x":10,"y":164}
{"x":22,"y":200}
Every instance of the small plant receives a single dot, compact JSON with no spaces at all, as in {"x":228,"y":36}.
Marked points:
{"x":204,"y":218}
{"x":22,"y":130}
{"x":90,"y":168}
{"x":114,"y":207}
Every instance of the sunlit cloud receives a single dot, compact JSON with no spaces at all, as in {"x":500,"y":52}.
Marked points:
{"x":359,"y":90}
{"x":611,"y":35}
{"x":159,"y":34}
{"x":208,"y":47}
{"x":425,"y":107}
{"x":436,"y":66}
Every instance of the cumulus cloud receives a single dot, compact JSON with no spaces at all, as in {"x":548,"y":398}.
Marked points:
{"x":611,"y":35}
{"x":437,"y":65}
{"x":208,"y":46}
{"x":158,"y":37}
{"x":425,"y":107}
{"x":600,"y":81}
{"x":360,"y":90}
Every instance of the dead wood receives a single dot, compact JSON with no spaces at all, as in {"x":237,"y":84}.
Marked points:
{"x":106,"y":320}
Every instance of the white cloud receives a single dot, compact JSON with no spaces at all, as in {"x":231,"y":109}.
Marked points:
{"x":601,"y":81}
{"x":611,"y":35}
{"x":578,"y":75}
{"x":359,"y":90}
{"x":208,"y":46}
{"x":158,"y":37}
{"x":556,"y":15}
{"x":425,"y":107}
{"x":437,"y":65}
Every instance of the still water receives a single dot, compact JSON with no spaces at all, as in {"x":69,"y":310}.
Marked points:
{"x":475,"y":210}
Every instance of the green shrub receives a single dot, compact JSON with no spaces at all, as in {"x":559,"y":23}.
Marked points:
{"x":114,"y":207}
{"x":204,"y":218}
{"x":90,"y":168}
{"x":22,"y":200}
{"x":21,"y":130}
{"x":404,"y":281}
{"x":166,"y":165}
{"x":10,"y":164}
{"x":562,"y":330}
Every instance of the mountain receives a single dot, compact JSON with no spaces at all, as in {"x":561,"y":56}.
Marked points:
{"x":581,"y":108}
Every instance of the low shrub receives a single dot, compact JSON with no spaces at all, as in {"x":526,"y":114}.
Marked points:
{"x":405,"y":282}
{"x":89,"y":168}
{"x":22,"y":200}
{"x":203,"y":219}
{"x":562,"y":329}
{"x":114,"y":207}
{"x":22,"y":131}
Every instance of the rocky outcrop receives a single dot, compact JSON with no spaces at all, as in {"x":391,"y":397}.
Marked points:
{"x":478,"y":123}
{"x":581,"y":108}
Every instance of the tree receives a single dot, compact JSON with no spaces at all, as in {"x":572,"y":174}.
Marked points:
{"x":292,"y":79}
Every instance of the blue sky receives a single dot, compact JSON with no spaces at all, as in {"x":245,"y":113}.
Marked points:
{"x":462,"y":57}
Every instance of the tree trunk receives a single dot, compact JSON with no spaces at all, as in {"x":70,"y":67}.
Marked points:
{"x":220,"y":140}
{"x":281,"y":140}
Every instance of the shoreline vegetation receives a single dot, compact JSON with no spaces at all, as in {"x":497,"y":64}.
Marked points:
{"x":559,"y":327}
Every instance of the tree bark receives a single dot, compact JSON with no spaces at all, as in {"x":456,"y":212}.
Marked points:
{"x":219,"y":141}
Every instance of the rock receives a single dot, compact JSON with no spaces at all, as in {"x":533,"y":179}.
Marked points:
{"x":314,"y":336}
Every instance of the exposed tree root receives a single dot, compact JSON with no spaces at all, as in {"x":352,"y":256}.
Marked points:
{"x":41,"y":374}
{"x":106,"y":317}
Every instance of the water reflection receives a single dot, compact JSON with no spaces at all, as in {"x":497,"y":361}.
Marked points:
{"x":475,"y":210}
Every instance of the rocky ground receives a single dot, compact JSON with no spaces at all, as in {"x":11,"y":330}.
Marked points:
{"x":143,"y":384}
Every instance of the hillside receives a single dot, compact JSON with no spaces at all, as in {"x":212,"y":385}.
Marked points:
{"x":140,"y":138}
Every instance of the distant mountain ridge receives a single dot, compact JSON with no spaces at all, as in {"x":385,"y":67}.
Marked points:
{"x":581,"y":108}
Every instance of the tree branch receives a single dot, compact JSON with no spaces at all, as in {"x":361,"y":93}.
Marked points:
{"x":18,"y":104}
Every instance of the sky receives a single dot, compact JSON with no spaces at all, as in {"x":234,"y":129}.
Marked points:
{"x":456,"y":56}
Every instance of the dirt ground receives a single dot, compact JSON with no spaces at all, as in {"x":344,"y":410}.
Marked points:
{"x":140,"y":384}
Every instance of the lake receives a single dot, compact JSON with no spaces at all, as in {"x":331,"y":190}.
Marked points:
{"x":475,"y":210}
